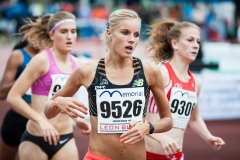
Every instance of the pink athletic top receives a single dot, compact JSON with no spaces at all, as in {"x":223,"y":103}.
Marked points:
{"x":174,"y":82}
{"x":42,"y":85}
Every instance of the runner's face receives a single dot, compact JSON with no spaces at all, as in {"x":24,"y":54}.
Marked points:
{"x":65,"y":36}
{"x":188,"y":44}
{"x":125,"y":37}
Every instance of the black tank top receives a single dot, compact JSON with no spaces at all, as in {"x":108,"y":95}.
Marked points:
{"x":112,"y":105}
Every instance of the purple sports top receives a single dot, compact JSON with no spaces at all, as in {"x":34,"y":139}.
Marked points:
{"x":43,"y":84}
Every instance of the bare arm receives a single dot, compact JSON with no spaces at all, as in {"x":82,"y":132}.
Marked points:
{"x":169,"y":145}
{"x":83,"y":125}
{"x":35,"y":69}
{"x":24,"y":82}
{"x":14,"y":61}
{"x":63,"y":99}
{"x":198,"y":125}
{"x":139,"y":130}
{"x":157,"y":88}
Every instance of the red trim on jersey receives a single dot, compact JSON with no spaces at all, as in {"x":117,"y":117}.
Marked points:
{"x":173,"y":81}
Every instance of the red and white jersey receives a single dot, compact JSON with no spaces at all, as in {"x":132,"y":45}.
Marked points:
{"x":182,"y":98}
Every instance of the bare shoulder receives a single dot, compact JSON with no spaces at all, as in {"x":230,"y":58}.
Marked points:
{"x":87,"y":67}
{"x":40,"y":62}
{"x":16,"y":53}
{"x":165,"y":74}
{"x":150,"y":68}
{"x":16,"y":57}
{"x":164,"y":70}
{"x":152,"y":72}
{"x":86,"y":72}
{"x":155,"y":70}
{"x":41,"y":57}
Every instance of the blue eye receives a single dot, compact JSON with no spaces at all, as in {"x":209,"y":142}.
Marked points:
{"x":136,"y":35}
{"x":125,"y":33}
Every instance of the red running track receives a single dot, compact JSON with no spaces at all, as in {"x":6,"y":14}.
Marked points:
{"x":194,"y":147}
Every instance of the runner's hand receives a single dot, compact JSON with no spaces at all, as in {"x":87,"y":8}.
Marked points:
{"x":169,"y":145}
{"x":71,"y":106}
{"x":83,"y":125}
{"x":136,"y":133}
{"x":50,"y":134}
{"x":215,"y":142}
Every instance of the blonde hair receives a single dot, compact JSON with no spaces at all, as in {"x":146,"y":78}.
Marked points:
{"x":161,"y":34}
{"x":115,"y":18}
{"x":36,"y":32}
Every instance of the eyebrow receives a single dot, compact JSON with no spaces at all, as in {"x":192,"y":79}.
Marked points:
{"x":129,"y":30}
{"x":195,"y":38}
{"x":68,"y":29}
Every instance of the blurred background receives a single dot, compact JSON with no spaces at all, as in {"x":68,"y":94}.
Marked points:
{"x":217,"y":64}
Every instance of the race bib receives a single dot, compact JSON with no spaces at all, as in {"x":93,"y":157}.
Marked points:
{"x":118,"y":107}
{"x":181,"y":105}
{"x":58,"y":81}
{"x":29,"y":92}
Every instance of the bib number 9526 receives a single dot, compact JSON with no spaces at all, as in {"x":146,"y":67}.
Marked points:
{"x":114,"y":109}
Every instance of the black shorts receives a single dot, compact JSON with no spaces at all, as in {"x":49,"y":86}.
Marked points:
{"x":13,"y":128}
{"x":50,"y":150}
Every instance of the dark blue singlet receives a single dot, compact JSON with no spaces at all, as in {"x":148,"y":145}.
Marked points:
{"x":26,"y":60}
{"x":14,"y":124}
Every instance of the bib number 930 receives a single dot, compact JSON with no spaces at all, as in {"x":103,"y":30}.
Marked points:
{"x":181,"y":107}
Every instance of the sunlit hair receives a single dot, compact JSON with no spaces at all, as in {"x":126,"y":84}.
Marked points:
{"x":115,"y":18}
{"x":161,"y":34}
{"x":36,"y":32}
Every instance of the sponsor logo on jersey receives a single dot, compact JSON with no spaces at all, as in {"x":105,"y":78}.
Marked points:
{"x":100,"y":87}
{"x":104,"y":82}
{"x":138,"y":83}
{"x":185,"y":93}
{"x":177,"y":85}
{"x":123,"y":94}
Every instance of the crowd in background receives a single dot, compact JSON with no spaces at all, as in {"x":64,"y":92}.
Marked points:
{"x":215,"y":19}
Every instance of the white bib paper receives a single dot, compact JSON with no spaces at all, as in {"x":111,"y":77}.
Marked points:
{"x":29,"y":92}
{"x":118,"y":107}
{"x":182,"y":103}
{"x":58,"y":81}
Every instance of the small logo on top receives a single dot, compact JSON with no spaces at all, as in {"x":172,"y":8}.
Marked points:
{"x":138,"y":83}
